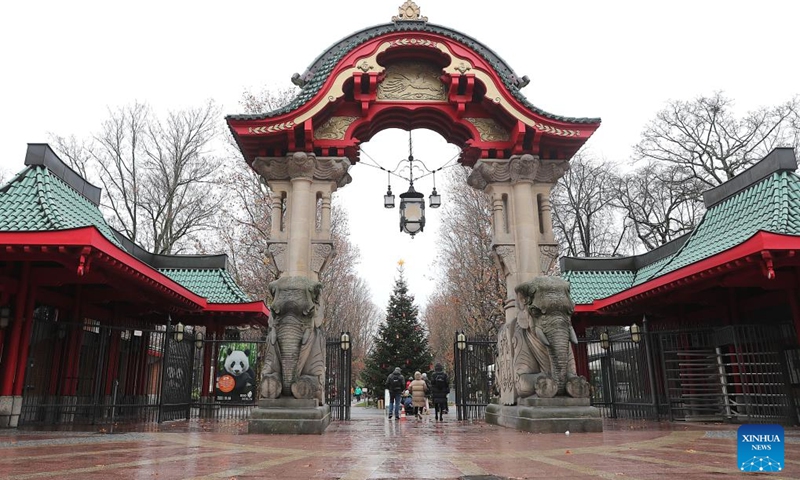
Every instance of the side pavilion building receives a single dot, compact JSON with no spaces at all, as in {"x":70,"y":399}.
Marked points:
{"x":87,"y":315}
{"x":712,"y":318}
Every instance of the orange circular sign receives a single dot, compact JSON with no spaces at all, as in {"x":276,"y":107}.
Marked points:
{"x":226,"y":383}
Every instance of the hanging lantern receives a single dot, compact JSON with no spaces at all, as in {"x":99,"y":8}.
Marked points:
{"x":412,"y":211}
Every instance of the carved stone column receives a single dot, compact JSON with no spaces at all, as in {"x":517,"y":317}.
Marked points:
{"x":520,"y":190}
{"x":301,"y":247}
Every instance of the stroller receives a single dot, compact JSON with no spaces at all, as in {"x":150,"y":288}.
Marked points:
{"x":406,"y":401}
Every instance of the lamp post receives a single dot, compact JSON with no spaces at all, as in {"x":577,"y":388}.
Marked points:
{"x":461,"y":393}
{"x":344,"y":397}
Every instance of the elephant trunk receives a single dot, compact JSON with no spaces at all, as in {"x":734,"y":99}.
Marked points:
{"x":559,"y":339}
{"x":290,"y":335}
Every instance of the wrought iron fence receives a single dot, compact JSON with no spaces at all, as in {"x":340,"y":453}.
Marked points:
{"x":474,"y":375}
{"x":739,"y":373}
{"x":338,"y":378}
{"x":118,"y":374}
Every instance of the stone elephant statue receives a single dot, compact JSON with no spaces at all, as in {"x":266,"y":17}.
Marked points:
{"x":535,"y":352}
{"x":294,"y":364}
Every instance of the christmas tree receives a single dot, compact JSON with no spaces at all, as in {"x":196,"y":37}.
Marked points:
{"x":401,"y":341}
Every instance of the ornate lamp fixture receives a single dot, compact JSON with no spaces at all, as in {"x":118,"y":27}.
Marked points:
{"x":179,"y":328}
{"x":344,"y":341}
{"x":412,"y":202}
{"x":636,"y":333}
{"x":604,"y":341}
{"x":461,"y":341}
{"x":198,"y":340}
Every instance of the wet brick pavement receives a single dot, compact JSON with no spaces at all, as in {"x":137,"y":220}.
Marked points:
{"x":371,"y":447}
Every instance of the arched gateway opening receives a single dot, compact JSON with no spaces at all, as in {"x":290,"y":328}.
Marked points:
{"x":406,"y":74}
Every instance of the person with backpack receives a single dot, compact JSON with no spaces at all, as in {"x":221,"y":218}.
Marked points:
{"x":395,"y":383}
{"x":440,"y":387}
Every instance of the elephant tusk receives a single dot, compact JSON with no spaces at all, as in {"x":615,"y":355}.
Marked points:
{"x":572,"y":336}
{"x":541,"y":336}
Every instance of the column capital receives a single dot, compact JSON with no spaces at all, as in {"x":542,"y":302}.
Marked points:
{"x":303,"y":165}
{"x":519,"y":168}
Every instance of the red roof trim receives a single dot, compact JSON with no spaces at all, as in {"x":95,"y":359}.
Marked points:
{"x":252,"y":307}
{"x":90,"y":236}
{"x":759,"y":242}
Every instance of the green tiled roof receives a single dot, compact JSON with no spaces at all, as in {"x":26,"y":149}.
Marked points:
{"x":316,"y":74}
{"x":588,"y":286}
{"x":37,"y":200}
{"x":216,"y":285}
{"x":770,"y":205}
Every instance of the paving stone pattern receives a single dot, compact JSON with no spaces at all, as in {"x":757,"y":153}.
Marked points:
{"x":374,"y":447}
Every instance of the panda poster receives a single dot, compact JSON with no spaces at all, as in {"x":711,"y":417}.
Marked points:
{"x":236,"y":379}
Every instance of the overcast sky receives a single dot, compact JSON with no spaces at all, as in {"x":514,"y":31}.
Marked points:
{"x":64,"y":64}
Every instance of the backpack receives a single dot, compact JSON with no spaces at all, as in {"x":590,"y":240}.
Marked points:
{"x":397,"y":383}
{"x":440,"y":381}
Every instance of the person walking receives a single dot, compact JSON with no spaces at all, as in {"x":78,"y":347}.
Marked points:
{"x":440,"y":387}
{"x":428,"y":393}
{"x":358,"y":394}
{"x":418,"y":391}
{"x":395,"y":383}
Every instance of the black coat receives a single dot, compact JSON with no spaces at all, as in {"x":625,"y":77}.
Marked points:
{"x":439,"y":394}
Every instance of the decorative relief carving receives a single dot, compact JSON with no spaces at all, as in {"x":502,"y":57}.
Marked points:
{"x":365,"y":66}
{"x":334,"y":128}
{"x":489,"y":129}
{"x":300,"y":165}
{"x":420,"y":42}
{"x":506,"y":257}
{"x":277,"y":251}
{"x":320,"y":253}
{"x":333,"y":169}
{"x":303,"y":165}
{"x":552,"y":170}
{"x":518,"y":168}
{"x":412,"y":81}
{"x":463,"y":67}
{"x":278,"y":127}
{"x":548,"y":254}
{"x":409,"y":12}
{"x":561,"y":132}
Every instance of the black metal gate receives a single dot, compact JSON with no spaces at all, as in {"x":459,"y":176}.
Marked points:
{"x":176,"y":379}
{"x":338,"y":374}
{"x":121,"y":373}
{"x":474,"y":375}
{"x":739,"y":373}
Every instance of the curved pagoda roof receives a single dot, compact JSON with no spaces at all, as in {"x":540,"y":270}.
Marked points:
{"x":314,"y":77}
{"x":410,"y":74}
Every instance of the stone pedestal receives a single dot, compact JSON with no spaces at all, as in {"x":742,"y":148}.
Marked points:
{"x":289,"y":415}
{"x":547,"y":415}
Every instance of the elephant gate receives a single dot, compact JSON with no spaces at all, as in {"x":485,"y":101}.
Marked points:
{"x":407,"y":74}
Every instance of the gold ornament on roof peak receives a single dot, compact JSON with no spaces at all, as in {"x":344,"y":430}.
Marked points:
{"x":409,"y":12}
